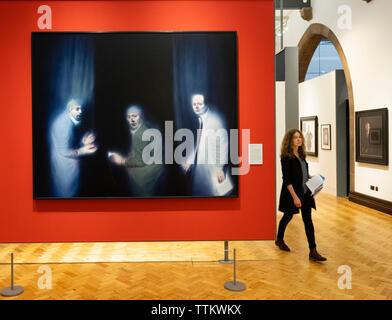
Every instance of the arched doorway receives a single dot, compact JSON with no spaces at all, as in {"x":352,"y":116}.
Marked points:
{"x":306,"y":48}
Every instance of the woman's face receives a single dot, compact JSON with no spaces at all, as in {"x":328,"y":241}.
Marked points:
{"x":297,"y":140}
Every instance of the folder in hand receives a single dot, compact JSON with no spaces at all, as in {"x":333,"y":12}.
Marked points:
{"x":315,"y":184}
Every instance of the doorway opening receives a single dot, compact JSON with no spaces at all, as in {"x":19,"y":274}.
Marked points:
{"x":309,"y":43}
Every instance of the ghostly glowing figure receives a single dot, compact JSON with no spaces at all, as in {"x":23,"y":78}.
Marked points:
{"x":209,"y":160}
{"x":65,"y":152}
{"x":144,"y":178}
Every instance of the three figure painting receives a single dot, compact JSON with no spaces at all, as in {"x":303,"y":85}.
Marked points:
{"x":133,"y":114}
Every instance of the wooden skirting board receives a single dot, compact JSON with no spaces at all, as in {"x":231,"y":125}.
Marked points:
{"x":371,"y":202}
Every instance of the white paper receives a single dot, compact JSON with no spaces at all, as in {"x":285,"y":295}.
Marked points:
{"x":315,"y":184}
{"x":224,"y":187}
{"x":317,"y":191}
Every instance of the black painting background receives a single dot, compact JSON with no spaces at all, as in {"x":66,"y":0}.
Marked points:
{"x":158,"y":71}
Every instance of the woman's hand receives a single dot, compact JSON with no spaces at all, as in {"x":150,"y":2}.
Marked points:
{"x":297,"y":202}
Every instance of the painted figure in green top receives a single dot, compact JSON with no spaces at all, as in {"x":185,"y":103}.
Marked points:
{"x":144,"y":178}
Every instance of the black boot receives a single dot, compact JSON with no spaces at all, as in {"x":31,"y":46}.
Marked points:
{"x":282,"y":246}
{"x":315,"y":256}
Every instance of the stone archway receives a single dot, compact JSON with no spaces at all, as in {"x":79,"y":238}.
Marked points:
{"x":306,"y":48}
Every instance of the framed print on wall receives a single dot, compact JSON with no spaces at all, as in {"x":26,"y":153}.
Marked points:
{"x":326,"y":137}
{"x":112,"y":112}
{"x":309,"y":129}
{"x":371,"y":136}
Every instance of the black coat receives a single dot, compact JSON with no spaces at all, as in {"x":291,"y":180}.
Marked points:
{"x":292,"y":174}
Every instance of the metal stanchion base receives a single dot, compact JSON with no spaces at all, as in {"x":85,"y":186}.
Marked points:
{"x":226,"y":261}
{"x":9,"y":292}
{"x":235,"y":286}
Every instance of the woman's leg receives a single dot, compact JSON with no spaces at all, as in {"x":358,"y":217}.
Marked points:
{"x":283,"y":224}
{"x":282,"y":227}
{"x":306,"y":212}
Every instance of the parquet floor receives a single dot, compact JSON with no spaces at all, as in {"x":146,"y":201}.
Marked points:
{"x":346,"y":233}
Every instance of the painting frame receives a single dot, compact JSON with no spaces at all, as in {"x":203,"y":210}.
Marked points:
{"x":371,"y":144}
{"x":42,"y":169}
{"x":311,"y":123}
{"x":325,"y":131}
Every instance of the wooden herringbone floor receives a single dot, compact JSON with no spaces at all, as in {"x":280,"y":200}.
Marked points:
{"x":347,"y":233}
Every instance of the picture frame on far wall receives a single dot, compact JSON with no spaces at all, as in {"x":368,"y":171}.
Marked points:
{"x":326,"y":137}
{"x":371,"y":136}
{"x":309,"y":129}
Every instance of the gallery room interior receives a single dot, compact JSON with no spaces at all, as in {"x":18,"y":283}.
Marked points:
{"x":146,"y":146}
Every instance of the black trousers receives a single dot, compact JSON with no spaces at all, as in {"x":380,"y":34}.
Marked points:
{"x":306,"y":212}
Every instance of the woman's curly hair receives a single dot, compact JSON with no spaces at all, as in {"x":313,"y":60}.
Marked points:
{"x":286,"y":149}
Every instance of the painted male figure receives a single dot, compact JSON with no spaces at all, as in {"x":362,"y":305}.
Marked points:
{"x":210,"y":157}
{"x":144,"y":178}
{"x":65,"y":153}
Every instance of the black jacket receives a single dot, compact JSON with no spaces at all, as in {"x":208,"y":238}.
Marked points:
{"x":292,"y":174}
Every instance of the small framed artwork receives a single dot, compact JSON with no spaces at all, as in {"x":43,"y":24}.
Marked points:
{"x":371,"y":136}
{"x":326,"y":137}
{"x":309,"y":129}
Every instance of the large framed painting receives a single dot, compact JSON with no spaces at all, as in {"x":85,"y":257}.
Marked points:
{"x":309,"y":129}
{"x":371,"y":134}
{"x":134,"y":114}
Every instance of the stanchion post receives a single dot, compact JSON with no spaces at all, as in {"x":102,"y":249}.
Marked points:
{"x":235,"y":285}
{"x":235,"y":276}
{"x":12,"y":271}
{"x":12,"y":291}
{"x":226,"y":260}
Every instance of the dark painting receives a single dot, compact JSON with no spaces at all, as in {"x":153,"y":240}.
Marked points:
{"x":128,"y":114}
{"x":372,"y":136}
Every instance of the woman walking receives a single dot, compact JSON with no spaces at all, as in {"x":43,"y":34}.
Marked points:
{"x":295,"y":194}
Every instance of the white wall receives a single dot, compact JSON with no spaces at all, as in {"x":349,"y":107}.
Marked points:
{"x":368,"y":47}
{"x":317,"y":97}
{"x":279,"y":133}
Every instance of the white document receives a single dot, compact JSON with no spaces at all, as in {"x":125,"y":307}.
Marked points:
{"x":224,"y":187}
{"x":315,"y":184}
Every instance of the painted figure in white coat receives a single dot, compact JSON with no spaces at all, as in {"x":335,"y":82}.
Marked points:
{"x":65,"y":154}
{"x":210,"y":156}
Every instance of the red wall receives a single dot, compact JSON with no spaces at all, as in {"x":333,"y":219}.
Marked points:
{"x":251,"y":216}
